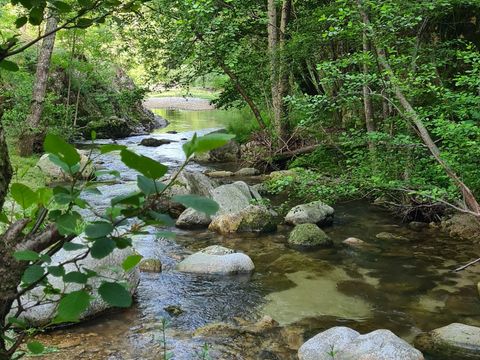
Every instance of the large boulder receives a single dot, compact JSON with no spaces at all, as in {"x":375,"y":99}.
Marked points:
{"x":309,"y":235}
{"x":234,"y":197}
{"x":346,"y":344}
{"x":55,"y":173}
{"x":454,"y":342}
{"x":217,"y":260}
{"x":230,"y":152}
{"x":322,"y":345}
{"x":193,"y":219}
{"x":188,"y":182}
{"x":315,"y":212}
{"x":253,"y":218}
{"x":109,"y":267}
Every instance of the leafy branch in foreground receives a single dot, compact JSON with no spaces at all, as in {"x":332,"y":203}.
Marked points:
{"x":51,"y":220}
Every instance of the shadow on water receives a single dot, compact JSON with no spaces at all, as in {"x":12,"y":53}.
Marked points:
{"x":404,"y":284}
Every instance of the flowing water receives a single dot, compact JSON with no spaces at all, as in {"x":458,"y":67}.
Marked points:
{"x":405,"y":285}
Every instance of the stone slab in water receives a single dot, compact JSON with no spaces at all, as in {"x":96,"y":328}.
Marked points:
{"x":342,"y":343}
{"x":454,"y":342}
{"x":217,"y":260}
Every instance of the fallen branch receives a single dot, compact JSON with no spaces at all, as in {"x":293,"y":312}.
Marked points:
{"x":463,"y":267}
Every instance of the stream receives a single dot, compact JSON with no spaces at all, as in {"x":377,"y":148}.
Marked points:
{"x":406,"y":286}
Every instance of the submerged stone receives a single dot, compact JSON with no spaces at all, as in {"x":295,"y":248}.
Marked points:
{"x":309,"y":235}
{"x":153,"y":142}
{"x":150,"y":265}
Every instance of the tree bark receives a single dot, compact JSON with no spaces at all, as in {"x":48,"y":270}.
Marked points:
{"x":278,"y":73}
{"x":26,"y":146}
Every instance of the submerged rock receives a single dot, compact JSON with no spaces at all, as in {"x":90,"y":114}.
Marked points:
{"x":174,"y":310}
{"x":150,"y":265}
{"x":230,"y":152}
{"x":453,"y":342}
{"x":354,"y":242}
{"x":217,"y":260}
{"x":347,"y":344}
{"x":391,"y":237}
{"x":43,"y":314}
{"x":54,"y":172}
{"x":247,"y":172}
{"x":309,"y":235}
{"x":464,"y":226}
{"x":193,"y":219}
{"x":153,"y":142}
{"x":253,"y":218}
{"x":315,"y":212}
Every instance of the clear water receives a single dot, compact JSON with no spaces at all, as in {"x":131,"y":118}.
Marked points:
{"x":406,"y":286}
{"x":187,"y":120}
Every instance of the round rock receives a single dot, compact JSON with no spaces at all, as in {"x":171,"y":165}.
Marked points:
{"x":309,"y":235}
{"x":217,"y":260}
{"x":315,"y":212}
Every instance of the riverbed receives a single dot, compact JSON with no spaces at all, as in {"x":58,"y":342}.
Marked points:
{"x":405,"y":285}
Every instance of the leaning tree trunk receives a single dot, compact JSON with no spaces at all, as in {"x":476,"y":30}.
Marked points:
{"x":28,"y":141}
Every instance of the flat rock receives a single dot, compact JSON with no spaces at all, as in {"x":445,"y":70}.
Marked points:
{"x":391,"y":237}
{"x":454,"y":342}
{"x":322,"y":345}
{"x":219,"y":174}
{"x":354,"y":242}
{"x":217,"y":260}
{"x":315,"y":212}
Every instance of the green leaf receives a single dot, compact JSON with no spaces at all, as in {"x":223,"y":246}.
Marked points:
{"x":36,"y":15}
{"x":3,"y":218}
{"x":111,"y":147}
{"x":123,"y":242}
{"x":8,"y":65}
{"x":75,"y":277}
{"x":84,"y":23}
{"x":32,"y":274}
{"x":21,"y":21}
{"x":131,"y":261}
{"x":44,"y":195}
{"x":69,"y":224}
{"x":57,"y":271}
{"x":144,"y":165}
{"x":128,"y":199}
{"x":19,"y":322}
{"x":149,"y":186}
{"x":102,"y":247}
{"x":55,"y":145}
{"x":26,"y":255}
{"x":161,"y":219}
{"x":115,"y":294}
{"x":35,"y":347}
{"x":206,"y":143}
{"x":72,"y":306}
{"x":23,"y":195}
{"x":98,"y":229}
{"x":199,"y":203}
{"x":73,"y":246}
{"x":62,"y":6}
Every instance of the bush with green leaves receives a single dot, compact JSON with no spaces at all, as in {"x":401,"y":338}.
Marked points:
{"x":58,"y":209}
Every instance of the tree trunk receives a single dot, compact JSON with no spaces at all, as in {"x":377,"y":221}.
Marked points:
{"x":367,"y":98}
{"x":278,"y":73}
{"x":26,"y":146}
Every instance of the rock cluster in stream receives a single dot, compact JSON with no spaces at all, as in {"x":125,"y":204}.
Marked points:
{"x":344,"y":343}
